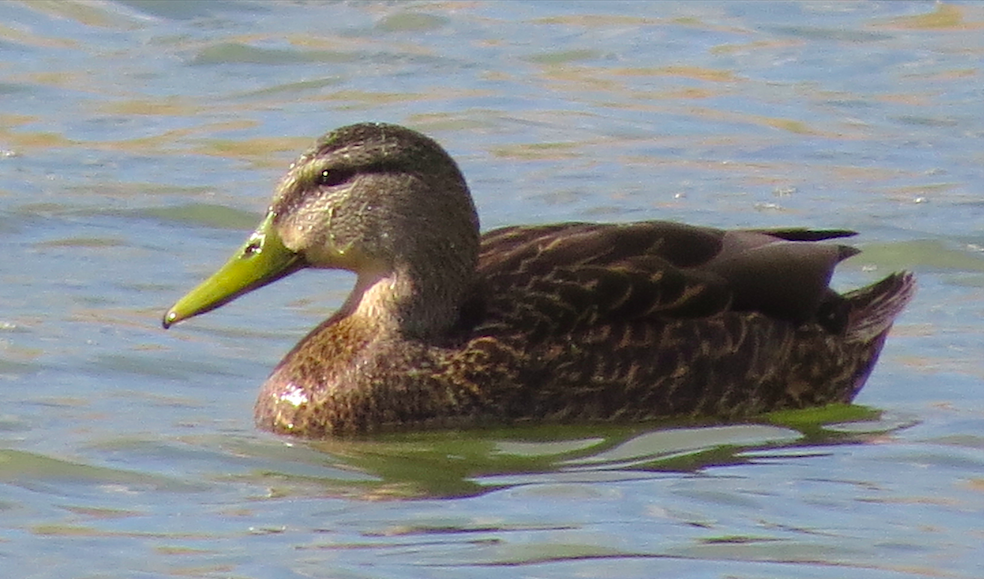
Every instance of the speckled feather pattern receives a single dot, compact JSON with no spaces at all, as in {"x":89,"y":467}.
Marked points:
{"x":598,"y":335}
{"x":566,"y":322}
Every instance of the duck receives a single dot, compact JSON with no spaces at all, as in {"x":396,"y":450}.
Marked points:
{"x":561,"y":323}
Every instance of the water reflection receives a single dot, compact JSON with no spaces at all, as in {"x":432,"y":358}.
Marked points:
{"x":472,"y":462}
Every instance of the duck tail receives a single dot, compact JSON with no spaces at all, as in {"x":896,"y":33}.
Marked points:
{"x":874,"y":308}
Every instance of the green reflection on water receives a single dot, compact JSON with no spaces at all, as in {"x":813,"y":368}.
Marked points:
{"x":461,"y":463}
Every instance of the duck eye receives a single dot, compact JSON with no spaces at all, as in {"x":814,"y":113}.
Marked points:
{"x":332,"y":177}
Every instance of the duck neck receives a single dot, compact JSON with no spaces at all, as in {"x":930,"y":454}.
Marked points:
{"x":408,"y":303}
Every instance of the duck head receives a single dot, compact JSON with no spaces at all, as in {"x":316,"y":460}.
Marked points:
{"x":380,"y":200}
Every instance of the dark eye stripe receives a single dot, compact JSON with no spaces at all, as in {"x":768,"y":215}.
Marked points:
{"x":332,"y":177}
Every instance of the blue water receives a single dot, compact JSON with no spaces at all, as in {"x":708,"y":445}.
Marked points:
{"x":139,"y":144}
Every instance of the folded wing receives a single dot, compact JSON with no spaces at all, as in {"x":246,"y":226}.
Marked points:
{"x":562,"y":277}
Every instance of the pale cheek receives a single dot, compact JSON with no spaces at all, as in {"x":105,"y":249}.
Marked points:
{"x":301,"y":231}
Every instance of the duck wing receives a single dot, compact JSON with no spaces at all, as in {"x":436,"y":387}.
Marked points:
{"x":573,"y":275}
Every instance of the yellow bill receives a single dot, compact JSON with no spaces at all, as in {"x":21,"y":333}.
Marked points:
{"x":261,"y":260}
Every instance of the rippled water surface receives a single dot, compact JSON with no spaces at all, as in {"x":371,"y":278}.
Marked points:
{"x":140,"y":140}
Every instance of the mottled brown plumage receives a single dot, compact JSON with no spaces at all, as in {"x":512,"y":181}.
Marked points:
{"x":567,"y":322}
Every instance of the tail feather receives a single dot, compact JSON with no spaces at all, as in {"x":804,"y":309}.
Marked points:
{"x":874,"y":308}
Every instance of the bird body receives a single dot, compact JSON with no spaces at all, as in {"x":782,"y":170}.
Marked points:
{"x":569,"y":322}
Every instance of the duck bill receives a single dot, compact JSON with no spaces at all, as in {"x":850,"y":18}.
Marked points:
{"x":261,"y":260}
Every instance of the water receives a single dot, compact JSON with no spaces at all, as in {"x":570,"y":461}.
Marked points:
{"x":139,"y":143}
